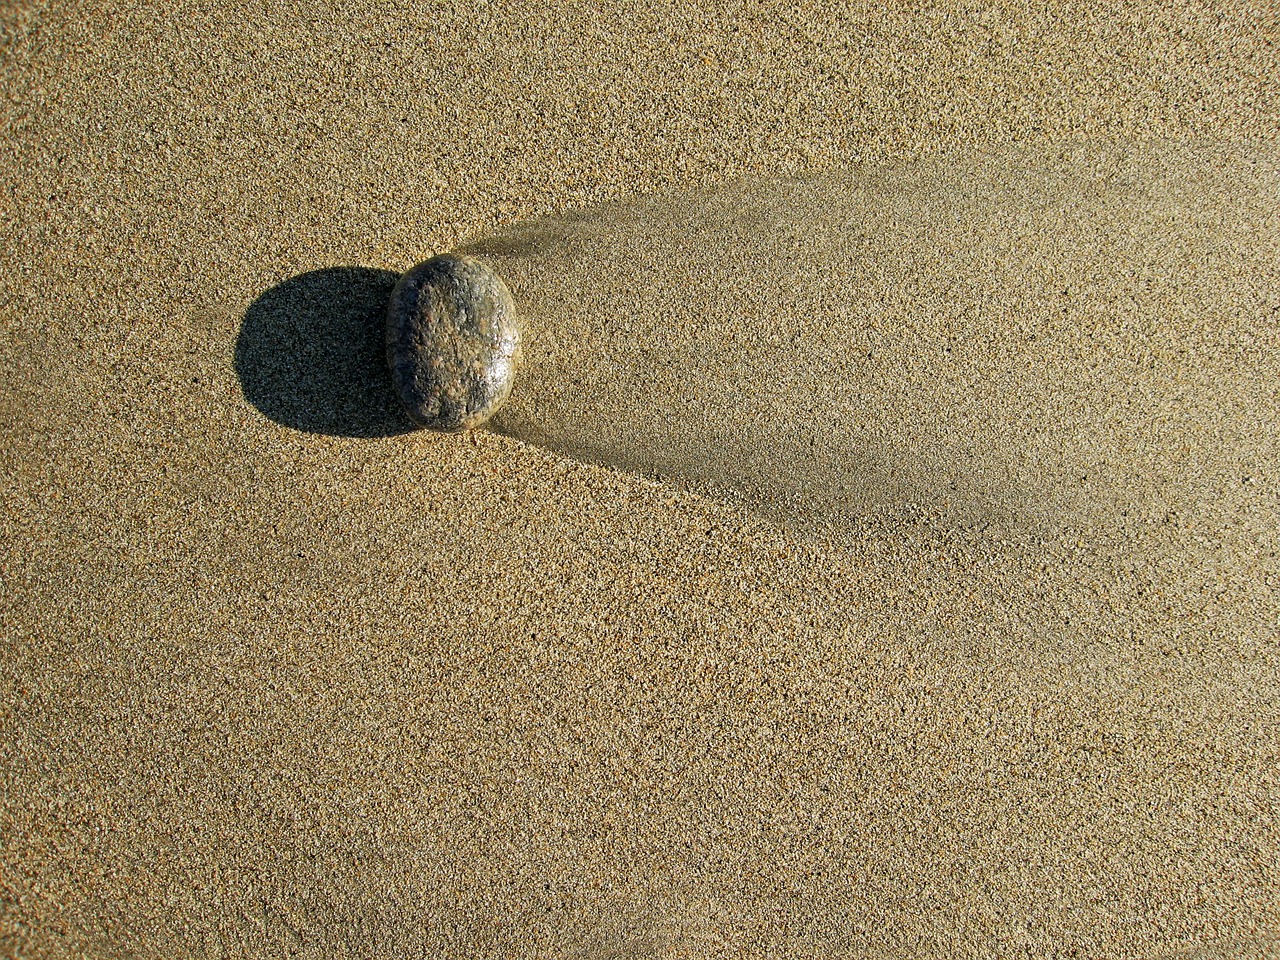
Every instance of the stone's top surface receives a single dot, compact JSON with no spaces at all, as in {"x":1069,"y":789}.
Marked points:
{"x":453,"y":342}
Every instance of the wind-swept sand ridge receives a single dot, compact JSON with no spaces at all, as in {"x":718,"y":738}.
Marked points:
{"x":1036,"y":341}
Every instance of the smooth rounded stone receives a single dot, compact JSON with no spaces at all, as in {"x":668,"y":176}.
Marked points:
{"x":453,"y":342}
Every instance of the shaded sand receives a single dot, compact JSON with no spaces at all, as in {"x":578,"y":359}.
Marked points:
{"x":964,"y":648}
{"x":1023,"y":341}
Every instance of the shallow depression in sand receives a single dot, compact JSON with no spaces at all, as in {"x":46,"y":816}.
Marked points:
{"x":1038,"y":340}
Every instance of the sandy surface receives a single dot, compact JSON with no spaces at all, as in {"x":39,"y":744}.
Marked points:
{"x":878,"y":557}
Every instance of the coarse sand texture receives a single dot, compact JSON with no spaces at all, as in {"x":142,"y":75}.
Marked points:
{"x":875,"y":558}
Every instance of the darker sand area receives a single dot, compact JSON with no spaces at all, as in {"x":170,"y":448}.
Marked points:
{"x":877,"y":558}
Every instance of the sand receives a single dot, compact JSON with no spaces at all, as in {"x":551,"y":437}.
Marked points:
{"x":877,"y":558}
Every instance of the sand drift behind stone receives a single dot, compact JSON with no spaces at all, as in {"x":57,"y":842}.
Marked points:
{"x":1035,"y":340}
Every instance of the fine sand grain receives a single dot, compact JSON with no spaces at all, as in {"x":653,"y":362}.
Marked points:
{"x":877,"y":557}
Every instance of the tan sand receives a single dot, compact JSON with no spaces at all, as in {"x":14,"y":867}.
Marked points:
{"x":878,"y":557}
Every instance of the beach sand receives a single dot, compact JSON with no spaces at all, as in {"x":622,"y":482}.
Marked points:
{"x":877,"y":558}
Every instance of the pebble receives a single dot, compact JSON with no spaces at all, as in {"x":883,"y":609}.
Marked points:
{"x":453,"y":342}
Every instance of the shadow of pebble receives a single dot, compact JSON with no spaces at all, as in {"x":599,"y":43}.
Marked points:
{"x":310,"y":354}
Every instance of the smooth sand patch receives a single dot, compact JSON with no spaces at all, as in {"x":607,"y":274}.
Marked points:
{"x":1034,"y":342}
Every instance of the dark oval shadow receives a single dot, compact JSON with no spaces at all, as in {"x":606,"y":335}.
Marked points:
{"x":310,"y":354}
